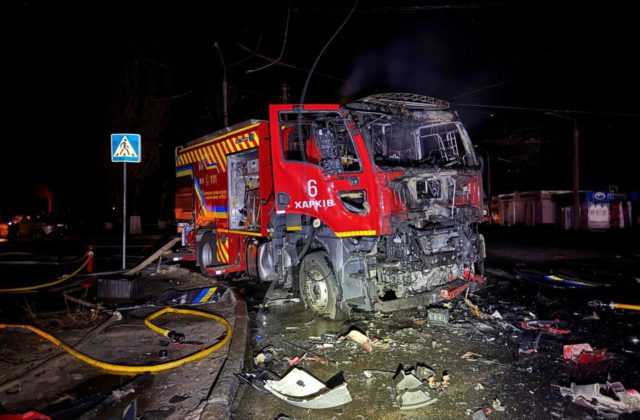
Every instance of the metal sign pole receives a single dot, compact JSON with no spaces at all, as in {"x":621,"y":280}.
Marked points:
{"x":125,"y":147}
{"x":124,"y":218}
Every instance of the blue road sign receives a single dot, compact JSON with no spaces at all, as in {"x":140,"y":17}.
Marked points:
{"x":126,"y":148}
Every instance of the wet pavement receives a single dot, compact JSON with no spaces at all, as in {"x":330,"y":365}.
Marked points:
{"x":65,"y":383}
{"x":478,"y":350}
{"x":495,"y":372}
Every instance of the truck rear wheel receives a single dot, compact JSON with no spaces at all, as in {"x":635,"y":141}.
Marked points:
{"x":207,"y":251}
{"x":318,"y":286}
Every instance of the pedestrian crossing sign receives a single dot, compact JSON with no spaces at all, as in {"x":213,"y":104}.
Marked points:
{"x":126,"y":148}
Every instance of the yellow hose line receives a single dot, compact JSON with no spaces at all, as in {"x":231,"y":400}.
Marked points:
{"x":52,"y":283}
{"x":132,"y":370}
{"x":625,"y":306}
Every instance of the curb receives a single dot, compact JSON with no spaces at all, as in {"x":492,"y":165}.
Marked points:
{"x":224,"y":388}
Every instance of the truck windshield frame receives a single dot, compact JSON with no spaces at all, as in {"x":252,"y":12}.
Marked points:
{"x":441,"y":144}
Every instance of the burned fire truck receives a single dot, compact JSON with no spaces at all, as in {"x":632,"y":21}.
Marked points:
{"x":373,"y":205}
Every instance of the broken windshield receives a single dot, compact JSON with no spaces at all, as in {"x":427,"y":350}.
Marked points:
{"x":442,"y":144}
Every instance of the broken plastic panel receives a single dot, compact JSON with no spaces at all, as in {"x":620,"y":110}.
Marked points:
{"x":417,"y":387}
{"x":301,"y":389}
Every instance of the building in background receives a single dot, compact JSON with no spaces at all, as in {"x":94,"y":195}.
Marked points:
{"x":599,"y":209}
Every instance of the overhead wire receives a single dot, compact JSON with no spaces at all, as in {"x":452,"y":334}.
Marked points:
{"x":554,"y":110}
{"x":315,"y":63}
{"x":284,"y":43}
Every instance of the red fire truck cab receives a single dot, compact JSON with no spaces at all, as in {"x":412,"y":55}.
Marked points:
{"x":373,"y":205}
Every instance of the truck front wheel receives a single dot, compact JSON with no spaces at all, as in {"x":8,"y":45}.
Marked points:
{"x":207,"y":251}
{"x":318,"y":286}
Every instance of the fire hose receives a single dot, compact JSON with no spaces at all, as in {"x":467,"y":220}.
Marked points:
{"x":51,"y":283}
{"x":613,"y":305}
{"x":118,"y":369}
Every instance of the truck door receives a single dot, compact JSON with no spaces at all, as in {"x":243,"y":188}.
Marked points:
{"x":320,"y":170}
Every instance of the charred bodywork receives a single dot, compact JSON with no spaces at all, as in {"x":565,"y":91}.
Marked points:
{"x":353,"y":205}
{"x":433,"y":177}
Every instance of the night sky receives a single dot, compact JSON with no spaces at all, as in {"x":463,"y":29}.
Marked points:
{"x":88,"y":69}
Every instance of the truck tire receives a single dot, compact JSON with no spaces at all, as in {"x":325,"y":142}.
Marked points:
{"x":207,"y":252}
{"x":318,"y":286}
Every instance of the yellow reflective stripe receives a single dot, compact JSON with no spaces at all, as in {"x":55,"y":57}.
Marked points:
{"x":356,"y":233}
{"x":213,"y":140}
{"x":241,"y":232}
{"x":210,"y":293}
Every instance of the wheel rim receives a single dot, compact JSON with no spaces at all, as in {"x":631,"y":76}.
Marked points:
{"x":207,"y":255}
{"x":316,"y":290}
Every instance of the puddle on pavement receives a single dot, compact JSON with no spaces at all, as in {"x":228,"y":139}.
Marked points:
{"x":525,"y":384}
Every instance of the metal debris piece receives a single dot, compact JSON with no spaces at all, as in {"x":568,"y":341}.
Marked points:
{"x":530,"y":341}
{"x":631,"y":345}
{"x":301,"y":389}
{"x":610,"y":399}
{"x":479,"y":415}
{"x":555,"y":327}
{"x":438,"y":316}
{"x":416,"y":387}
{"x":257,"y":380}
{"x":497,"y":405}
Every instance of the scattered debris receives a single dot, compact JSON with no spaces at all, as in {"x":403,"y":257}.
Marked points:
{"x":265,"y":356}
{"x":474,"y":309}
{"x":293,"y":361}
{"x":480,"y":414}
{"x":496,"y":314}
{"x":471,"y":356}
{"x":497,"y":405}
{"x":191,"y":297}
{"x":438,"y":316}
{"x":530,"y":342}
{"x":475,"y":357}
{"x":359,"y":337}
{"x":276,"y":302}
{"x":301,"y":389}
{"x":417,"y":387}
{"x":609,"y":400}
{"x":369,"y":372}
{"x":583,"y":353}
{"x":554,"y":327}
{"x":631,"y":345}
{"x":257,"y":380}
{"x":593,"y":317}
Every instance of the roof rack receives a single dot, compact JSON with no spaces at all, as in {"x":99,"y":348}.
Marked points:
{"x":406,"y":100}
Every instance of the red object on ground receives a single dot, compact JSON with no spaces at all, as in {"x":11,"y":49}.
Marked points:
{"x":584,"y":353}
{"x":554,"y":327}
{"x":452,"y":291}
{"x":29,"y":415}
{"x":90,"y":262}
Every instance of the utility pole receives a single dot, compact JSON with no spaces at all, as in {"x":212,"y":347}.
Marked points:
{"x":489,"y":201}
{"x":576,"y":177}
{"x":225,"y":112}
{"x":576,"y":217}
{"x":284,"y":96}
